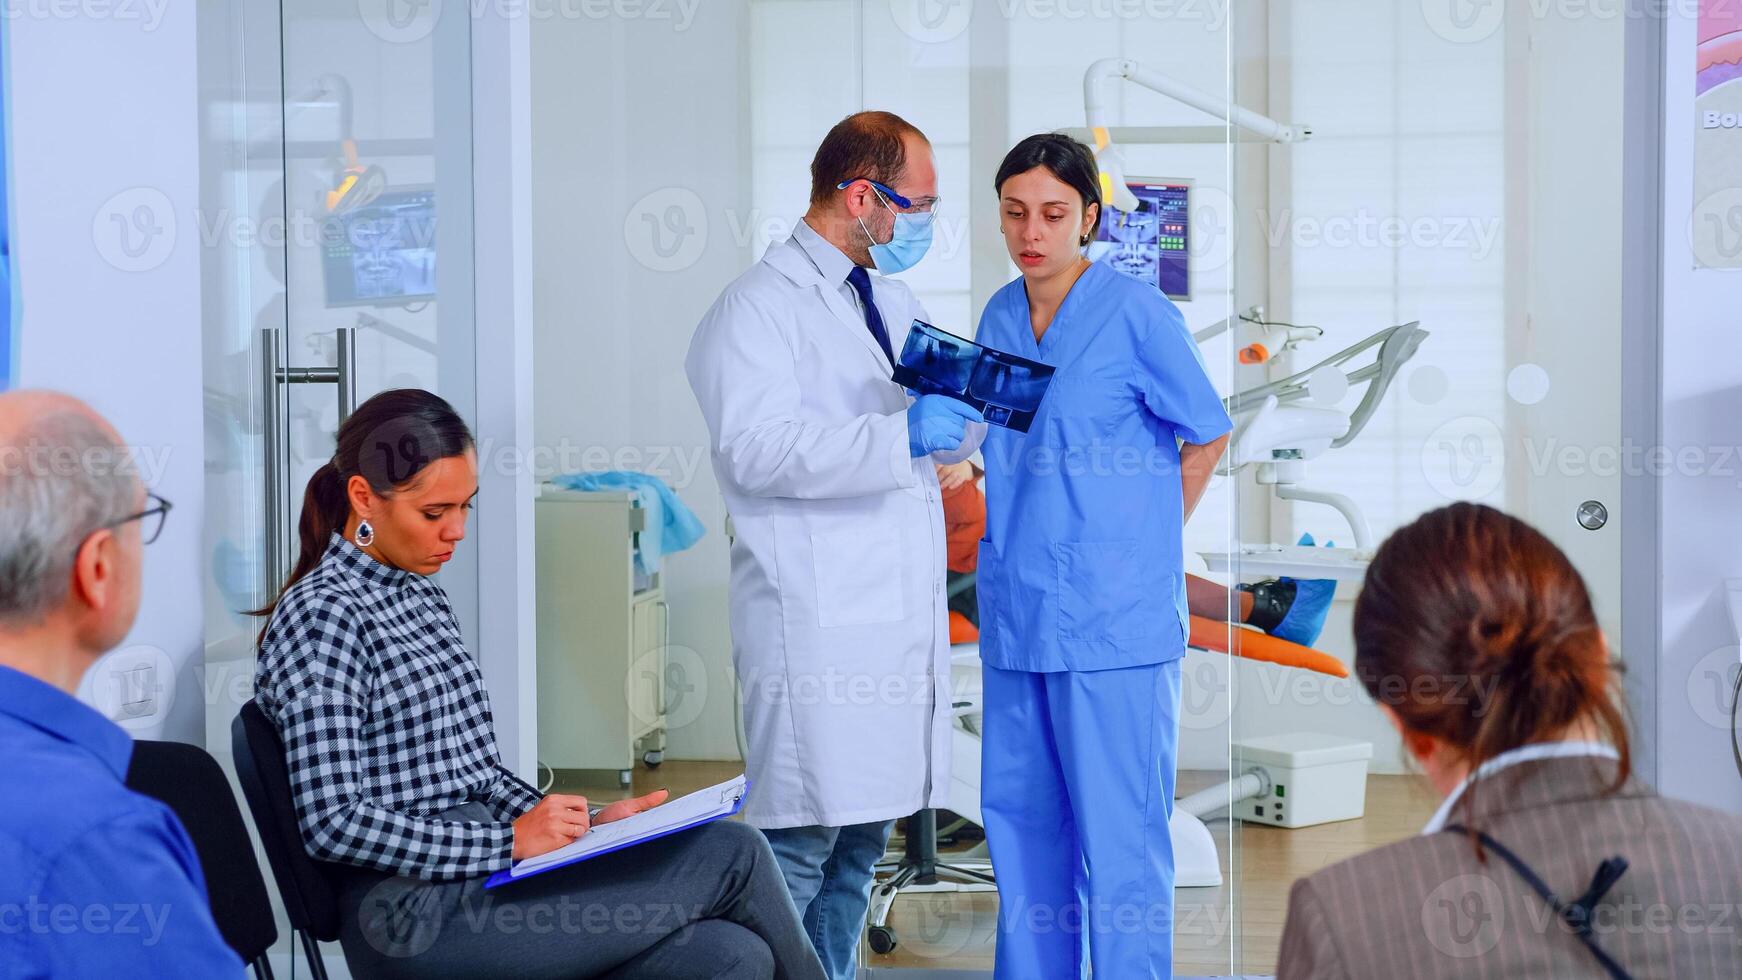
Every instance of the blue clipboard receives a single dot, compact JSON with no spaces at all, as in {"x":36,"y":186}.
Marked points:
{"x":501,"y":878}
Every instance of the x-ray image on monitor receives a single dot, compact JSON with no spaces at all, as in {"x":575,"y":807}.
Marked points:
{"x":1152,"y":243}
{"x":383,"y":253}
{"x":1005,"y":388}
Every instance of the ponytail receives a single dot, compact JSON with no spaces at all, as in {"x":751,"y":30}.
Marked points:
{"x":388,"y":441}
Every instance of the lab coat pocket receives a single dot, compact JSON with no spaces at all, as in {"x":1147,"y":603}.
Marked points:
{"x":1105,"y":592}
{"x":858,"y":578}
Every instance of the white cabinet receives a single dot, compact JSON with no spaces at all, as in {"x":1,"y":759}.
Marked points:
{"x":602,"y":636}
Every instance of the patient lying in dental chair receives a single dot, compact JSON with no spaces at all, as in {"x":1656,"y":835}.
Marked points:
{"x":1286,"y":608}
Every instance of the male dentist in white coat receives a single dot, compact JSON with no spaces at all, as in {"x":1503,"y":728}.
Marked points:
{"x":839,"y":633}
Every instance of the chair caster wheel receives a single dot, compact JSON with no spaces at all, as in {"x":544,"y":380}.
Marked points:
{"x":625,"y":778}
{"x":883,"y":941}
{"x":653,"y":759}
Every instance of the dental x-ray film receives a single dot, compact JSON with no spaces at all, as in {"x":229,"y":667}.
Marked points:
{"x":1005,"y":388}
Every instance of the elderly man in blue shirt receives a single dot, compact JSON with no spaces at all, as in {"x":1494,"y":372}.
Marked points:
{"x":95,"y":880}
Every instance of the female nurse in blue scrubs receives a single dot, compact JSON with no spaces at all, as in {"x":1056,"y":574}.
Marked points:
{"x":1082,"y":592}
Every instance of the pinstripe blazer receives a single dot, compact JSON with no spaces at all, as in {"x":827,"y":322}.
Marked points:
{"x":1425,"y":907}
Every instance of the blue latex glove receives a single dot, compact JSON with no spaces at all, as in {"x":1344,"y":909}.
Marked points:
{"x":938,"y":424}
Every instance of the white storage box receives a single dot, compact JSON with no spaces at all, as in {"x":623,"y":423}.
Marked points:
{"x":1310,"y":778}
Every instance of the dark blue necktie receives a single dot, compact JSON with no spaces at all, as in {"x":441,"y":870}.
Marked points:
{"x":861,"y":282}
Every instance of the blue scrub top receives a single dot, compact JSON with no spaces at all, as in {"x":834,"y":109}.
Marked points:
{"x":1082,"y":564}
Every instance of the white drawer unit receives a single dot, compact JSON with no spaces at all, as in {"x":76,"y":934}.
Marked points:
{"x":602,"y":636}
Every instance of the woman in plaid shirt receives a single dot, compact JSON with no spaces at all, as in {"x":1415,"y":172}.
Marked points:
{"x":396,"y":775}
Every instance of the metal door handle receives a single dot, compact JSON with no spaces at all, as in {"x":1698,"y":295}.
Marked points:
{"x":273,"y":376}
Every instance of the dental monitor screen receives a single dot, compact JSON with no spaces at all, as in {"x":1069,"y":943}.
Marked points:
{"x":382,"y":253}
{"x":1152,"y":243}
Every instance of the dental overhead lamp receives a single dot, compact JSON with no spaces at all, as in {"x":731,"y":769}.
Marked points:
{"x":1097,"y":83}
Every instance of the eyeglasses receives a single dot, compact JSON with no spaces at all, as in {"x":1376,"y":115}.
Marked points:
{"x":153,"y":518}
{"x":924,"y":205}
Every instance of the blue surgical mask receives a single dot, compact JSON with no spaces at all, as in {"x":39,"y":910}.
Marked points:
{"x":908,"y":241}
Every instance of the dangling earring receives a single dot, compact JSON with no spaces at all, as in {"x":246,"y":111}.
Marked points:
{"x":365,"y":534}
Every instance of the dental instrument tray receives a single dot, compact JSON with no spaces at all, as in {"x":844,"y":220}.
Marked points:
{"x":1007,"y":389}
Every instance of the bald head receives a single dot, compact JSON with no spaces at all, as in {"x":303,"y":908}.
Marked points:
{"x":63,"y":475}
{"x":19,"y":408}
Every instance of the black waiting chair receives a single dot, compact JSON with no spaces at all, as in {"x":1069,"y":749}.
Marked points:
{"x":188,"y":781}
{"x":310,"y":901}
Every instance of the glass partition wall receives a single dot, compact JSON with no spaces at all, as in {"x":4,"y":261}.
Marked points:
{"x":335,"y":219}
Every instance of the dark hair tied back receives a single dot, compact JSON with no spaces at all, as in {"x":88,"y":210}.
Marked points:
{"x":389,"y":441}
{"x":1070,"y":160}
{"x":1474,"y":628}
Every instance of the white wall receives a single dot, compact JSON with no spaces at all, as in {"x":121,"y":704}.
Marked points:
{"x":105,"y":165}
{"x":1701,"y":536}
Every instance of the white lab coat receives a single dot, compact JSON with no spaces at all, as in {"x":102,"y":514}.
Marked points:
{"x":839,"y":629}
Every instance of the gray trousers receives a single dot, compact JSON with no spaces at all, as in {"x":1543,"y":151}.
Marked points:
{"x":704,"y":903}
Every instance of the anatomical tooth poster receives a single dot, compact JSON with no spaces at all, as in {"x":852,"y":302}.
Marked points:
{"x":1717,"y":221}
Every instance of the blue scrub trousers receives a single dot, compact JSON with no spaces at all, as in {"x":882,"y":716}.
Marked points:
{"x":1077,"y":787}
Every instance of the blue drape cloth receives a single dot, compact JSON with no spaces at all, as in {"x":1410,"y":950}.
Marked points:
{"x":671,"y":525}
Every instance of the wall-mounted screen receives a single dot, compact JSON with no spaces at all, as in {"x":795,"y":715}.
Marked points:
{"x":1152,"y":243}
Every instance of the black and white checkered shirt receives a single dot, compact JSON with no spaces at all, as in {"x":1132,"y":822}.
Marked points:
{"x":386,"y":722}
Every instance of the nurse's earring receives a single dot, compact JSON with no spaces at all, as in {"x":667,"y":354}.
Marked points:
{"x":365,"y":533}
{"x":1083,"y":241}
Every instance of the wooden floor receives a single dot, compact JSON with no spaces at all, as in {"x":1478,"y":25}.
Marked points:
{"x":1244,"y":914}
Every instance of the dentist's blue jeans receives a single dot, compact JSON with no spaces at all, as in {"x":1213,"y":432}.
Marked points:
{"x":829,"y":872}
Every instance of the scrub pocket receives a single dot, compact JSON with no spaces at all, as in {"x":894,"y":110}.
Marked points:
{"x":1106,"y":592}
{"x":858,"y":578}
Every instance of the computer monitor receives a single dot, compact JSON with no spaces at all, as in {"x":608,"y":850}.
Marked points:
{"x":1152,"y":243}
{"x":382,"y":253}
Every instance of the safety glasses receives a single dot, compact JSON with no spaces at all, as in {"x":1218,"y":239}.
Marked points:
{"x":926,"y":205}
